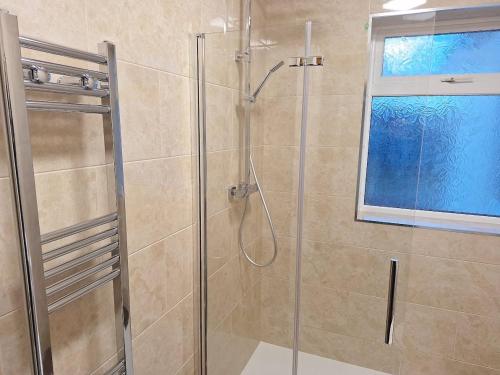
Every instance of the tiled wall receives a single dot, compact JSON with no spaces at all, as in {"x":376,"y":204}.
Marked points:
{"x":448,"y":307}
{"x":153,"y":46}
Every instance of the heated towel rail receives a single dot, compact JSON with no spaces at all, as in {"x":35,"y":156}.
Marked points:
{"x":92,"y":263}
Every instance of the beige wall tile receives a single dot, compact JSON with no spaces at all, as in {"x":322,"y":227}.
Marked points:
{"x":83,"y":333}
{"x":223,"y":292}
{"x":146,"y":206}
{"x":284,"y":265}
{"x":478,"y":340}
{"x":140,"y":115}
{"x":334,"y":120}
{"x":283,"y":211}
{"x":179,"y":265}
{"x":219,"y":241}
{"x":155,"y":190}
{"x":346,"y":268}
{"x":276,"y":311}
{"x":15,"y":345}
{"x":11,"y":279}
{"x":363,"y":353}
{"x":175,"y":125}
{"x":415,"y":363}
{"x":219,"y":115}
{"x":463,"y":246}
{"x":280,"y":168}
{"x":110,"y":21}
{"x":455,"y":285}
{"x":166,"y":346}
{"x":332,"y":170}
{"x":62,"y":25}
{"x":222,"y":172}
{"x":64,"y":141}
{"x":426,"y":329}
{"x":67,"y":197}
{"x":217,"y":349}
{"x":282,"y":120}
{"x":148,"y":286}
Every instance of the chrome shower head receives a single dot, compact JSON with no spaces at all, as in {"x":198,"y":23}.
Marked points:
{"x":271,"y":71}
{"x":277,"y":66}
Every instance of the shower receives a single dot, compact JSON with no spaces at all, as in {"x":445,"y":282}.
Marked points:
{"x":245,"y":188}
{"x":253,"y":98}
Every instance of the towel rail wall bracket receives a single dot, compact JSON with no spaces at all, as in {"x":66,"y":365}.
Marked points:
{"x":95,"y":259}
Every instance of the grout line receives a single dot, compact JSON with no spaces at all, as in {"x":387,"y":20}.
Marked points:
{"x":63,"y":170}
{"x":149,"y":327}
{"x":161,"y":240}
{"x":157,"y":158}
{"x":11,"y":312}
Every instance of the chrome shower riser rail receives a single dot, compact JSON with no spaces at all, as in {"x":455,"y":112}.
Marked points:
{"x":80,"y":244}
{"x":55,"y":271}
{"x":67,"y":107}
{"x":63,"y":69}
{"x":77,"y":228}
{"x":83,"y":291}
{"x":80,"y":276}
{"x":58,"y":88}
{"x":56,"y":49}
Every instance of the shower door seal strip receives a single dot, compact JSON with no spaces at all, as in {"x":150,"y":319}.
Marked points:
{"x":202,"y":201}
{"x":300,"y":201}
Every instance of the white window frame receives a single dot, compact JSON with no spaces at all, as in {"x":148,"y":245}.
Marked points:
{"x":377,"y":85}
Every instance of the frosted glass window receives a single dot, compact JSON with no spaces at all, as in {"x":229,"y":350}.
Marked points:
{"x":451,"y":53}
{"x":435,"y":153}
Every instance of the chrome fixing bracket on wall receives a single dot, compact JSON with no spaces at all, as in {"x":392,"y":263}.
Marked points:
{"x":295,"y":62}
{"x":67,"y":270}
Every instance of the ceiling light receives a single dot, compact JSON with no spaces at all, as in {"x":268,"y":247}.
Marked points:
{"x":403,"y":4}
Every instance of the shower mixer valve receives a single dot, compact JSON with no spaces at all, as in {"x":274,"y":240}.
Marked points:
{"x":242,"y":190}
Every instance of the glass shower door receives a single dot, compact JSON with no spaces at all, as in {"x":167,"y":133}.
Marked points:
{"x":247,"y":311}
{"x":347,"y":250}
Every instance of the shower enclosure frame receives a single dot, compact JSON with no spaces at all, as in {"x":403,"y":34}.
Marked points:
{"x":201,"y":267}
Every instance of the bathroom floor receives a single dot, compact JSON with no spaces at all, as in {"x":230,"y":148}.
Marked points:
{"x":271,"y":359}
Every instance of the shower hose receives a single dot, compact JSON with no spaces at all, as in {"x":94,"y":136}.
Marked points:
{"x":269,"y":220}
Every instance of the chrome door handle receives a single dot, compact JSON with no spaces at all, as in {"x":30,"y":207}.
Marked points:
{"x":391,"y":301}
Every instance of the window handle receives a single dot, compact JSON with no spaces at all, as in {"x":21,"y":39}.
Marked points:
{"x":391,"y":301}
{"x":455,"y":80}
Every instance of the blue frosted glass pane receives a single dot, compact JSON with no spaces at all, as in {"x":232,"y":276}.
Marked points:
{"x":457,"y":53}
{"x":451,"y":157}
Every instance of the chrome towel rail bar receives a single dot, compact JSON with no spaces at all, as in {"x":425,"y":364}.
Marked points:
{"x":67,"y":107}
{"x":77,"y":228}
{"x":65,"y":89}
{"x":57,"y":270}
{"x":80,"y":244}
{"x":83,"y":291}
{"x":94,"y":258}
{"x":79,"y":276}
{"x":63,"y":69}
{"x":56,"y":49}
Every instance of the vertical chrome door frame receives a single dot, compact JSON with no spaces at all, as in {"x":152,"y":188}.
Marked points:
{"x":300,"y":200}
{"x":114,"y":156}
{"x":202,"y":203}
{"x":15,"y":119}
